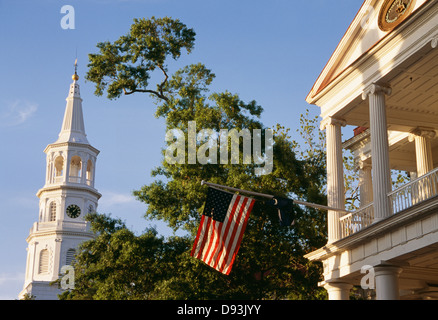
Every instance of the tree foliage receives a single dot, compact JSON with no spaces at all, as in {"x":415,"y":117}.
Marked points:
{"x":126,"y":65}
{"x":270,"y":263}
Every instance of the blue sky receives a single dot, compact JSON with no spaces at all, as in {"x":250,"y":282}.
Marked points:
{"x":268,"y":51}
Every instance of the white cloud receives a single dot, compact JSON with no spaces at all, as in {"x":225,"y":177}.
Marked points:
{"x":24,"y":202}
{"x":17,"y":112}
{"x":11,"y":285}
{"x":11,"y":277}
{"x":110,"y":198}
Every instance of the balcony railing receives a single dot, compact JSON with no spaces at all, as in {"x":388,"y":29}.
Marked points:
{"x":74,"y":179}
{"x":421,"y":189}
{"x":356,"y":221}
{"x":61,"y":225}
{"x":58,"y":179}
{"x":71,"y":179}
{"x":408,"y":195}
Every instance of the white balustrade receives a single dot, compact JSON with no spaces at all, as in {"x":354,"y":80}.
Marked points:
{"x":408,"y":195}
{"x":414,"y":192}
{"x":356,"y":221}
{"x":61,"y":225}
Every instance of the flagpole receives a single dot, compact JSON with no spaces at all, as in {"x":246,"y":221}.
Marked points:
{"x":308,"y":204}
{"x":237,"y":190}
{"x":318,"y":206}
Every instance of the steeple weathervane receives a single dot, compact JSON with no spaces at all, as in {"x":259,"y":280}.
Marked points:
{"x":75,"y":77}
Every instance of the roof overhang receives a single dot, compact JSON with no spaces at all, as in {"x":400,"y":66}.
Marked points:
{"x":407,"y":60}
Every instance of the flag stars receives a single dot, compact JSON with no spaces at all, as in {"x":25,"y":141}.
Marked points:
{"x":217,"y":204}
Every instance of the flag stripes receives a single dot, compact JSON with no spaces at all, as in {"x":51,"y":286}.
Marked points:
{"x":217,"y":243}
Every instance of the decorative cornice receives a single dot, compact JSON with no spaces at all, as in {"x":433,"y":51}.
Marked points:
{"x":45,"y":233}
{"x":376,"y":89}
{"x":71,"y":144}
{"x":393,"y":41}
{"x":69,"y":187}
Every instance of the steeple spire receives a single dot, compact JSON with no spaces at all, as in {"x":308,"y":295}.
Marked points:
{"x":73,"y":128}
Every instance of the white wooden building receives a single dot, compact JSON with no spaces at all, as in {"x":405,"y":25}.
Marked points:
{"x":383,"y":78}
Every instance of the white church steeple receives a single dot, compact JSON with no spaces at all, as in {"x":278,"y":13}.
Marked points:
{"x":66,"y":197}
{"x":73,"y":128}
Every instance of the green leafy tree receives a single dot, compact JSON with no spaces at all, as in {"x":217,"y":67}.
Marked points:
{"x":119,"y":265}
{"x":270,"y":263}
{"x":127,"y":65}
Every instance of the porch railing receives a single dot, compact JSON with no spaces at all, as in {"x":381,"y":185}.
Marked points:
{"x":408,"y":195}
{"x":421,"y":189}
{"x":356,"y":221}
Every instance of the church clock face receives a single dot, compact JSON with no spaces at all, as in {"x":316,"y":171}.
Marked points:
{"x":394,"y":12}
{"x":73,"y":211}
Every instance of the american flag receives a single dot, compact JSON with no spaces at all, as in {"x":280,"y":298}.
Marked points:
{"x":221,"y":229}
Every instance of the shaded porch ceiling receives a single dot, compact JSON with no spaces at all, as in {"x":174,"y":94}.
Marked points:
{"x":413,"y":103}
{"x":414,"y":99}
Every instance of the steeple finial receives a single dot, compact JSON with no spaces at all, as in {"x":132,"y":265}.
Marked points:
{"x":73,"y":129}
{"x":75,"y":77}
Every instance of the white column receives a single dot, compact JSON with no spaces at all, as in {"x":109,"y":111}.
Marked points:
{"x":423,"y":149}
{"x":84,"y":160}
{"x":365,"y":184}
{"x":93,"y":173}
{"x":379,"y":150}
{"x":387,"y":282}
{"x":67,"y":167}
{"x":423,"y":153}
{"x":49,"y":170}
{"x":335,"y":175}
{"x":338,"y":290}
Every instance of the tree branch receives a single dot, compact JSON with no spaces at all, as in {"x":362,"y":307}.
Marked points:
{"x":158,"y":94}
{"x":164,"y":81}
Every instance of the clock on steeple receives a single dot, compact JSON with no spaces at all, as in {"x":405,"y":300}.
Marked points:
{"x":73,"y":211}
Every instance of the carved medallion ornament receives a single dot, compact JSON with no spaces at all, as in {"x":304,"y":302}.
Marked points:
{"x":394,"y":12}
